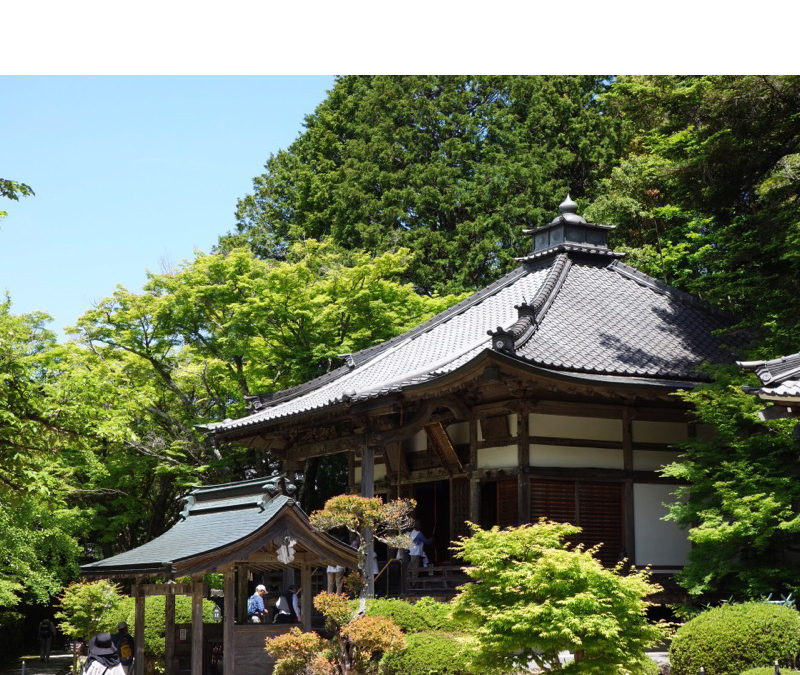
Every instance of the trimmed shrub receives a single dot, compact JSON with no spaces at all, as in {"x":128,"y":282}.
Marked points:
{"x":154,"y":622}
{"x":430,"y":652}
{"x":768,"y":670}
{"x":414,"y":617}
{"x":734,"y":637}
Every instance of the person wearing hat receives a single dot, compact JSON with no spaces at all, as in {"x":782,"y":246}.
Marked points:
{"x":125,"y":645}
{"x":256,"y":612}
{"x":103,"y":657}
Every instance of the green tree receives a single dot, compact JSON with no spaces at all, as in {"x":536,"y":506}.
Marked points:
{"x":11,"y":189}
{"x":534,"y":596}
{"x":452,"y":168}
{"x":385,"y":521}
{"x":89,"y":608}
{"x":740,"y":503}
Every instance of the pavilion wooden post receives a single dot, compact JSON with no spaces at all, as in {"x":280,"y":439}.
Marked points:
{"x":197,"y":626}
{"x":169,"y":634}
{"x":138,"y":628}
{"x":228,"y":616}
{"x":241,"y":607}
{"x":368,"y":490}
{"x":523,"y":462}
{"x":627,"y":463}
{"x":307,"y":595}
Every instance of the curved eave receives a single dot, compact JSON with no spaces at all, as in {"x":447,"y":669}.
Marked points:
{"x":584,"y":379}
{"x":465,"y":371}
{"x":320,"y":543}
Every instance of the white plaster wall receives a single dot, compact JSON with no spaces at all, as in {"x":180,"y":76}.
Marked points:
{"x":419,"y":442}
{"x":659,"y":432}
{"x":459,"y":433}
{"x":566,"y":426}
{"x":556,"y":455}
{"x":652,"y":460}
{"x":380,"y":473}
{"x":658,"y":542}
{"x":497,"y":458}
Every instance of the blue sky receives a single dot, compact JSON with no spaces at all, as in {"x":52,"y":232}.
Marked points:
{"x":129,"y":173}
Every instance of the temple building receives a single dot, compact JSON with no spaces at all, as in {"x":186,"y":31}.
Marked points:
{"x":549,"y":393}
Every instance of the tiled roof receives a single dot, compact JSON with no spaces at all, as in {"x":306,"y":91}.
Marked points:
{"x":592,"y":315}
{"x":214,"y":518}
{"x":606,"y":319}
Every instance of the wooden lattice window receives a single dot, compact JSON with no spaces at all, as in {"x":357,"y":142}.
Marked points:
{"x":507,"y":503}
{"x":596,"y":507}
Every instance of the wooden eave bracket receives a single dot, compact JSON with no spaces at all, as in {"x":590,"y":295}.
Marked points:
{"x":443,"y":447}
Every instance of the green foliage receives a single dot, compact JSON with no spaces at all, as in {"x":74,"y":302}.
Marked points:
{"x":731,"y":638}
{"x":89,"y":608}
{"x":768,"y":670}
{"x":356,"y":513}
{"x":154,"y":625}
{"x":451,"y":167}
{"x":428,"y":653}
{"x":742,"y":495}
{"x":535,"y":596}
{"x":358,"y":644}
{"x":11,"y":189}
{"x":424,"y":615}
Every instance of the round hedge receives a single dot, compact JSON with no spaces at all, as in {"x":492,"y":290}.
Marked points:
{"x":734,"y":637}
{"x":413,"y":617}
{"x":429,"y":652}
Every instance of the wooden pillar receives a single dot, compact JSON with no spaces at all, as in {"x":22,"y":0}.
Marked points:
{"x":474,"y":481}
{"x":241,"y":606}
{"x":197,"y":626}
{"x":138,"y":628}
{"x":169,"y":634}
{"x":523,"y":462}
{"x":351,"y":472}
{"x":627,"y":462}
{"x":368,"y":490}
{"x":228,"y":616}
{"x":307,"y":595}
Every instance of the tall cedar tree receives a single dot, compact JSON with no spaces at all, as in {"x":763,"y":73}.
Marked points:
{"x":452,"y":168}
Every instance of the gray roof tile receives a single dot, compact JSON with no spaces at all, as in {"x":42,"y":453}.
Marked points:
{"x":605,"y":318}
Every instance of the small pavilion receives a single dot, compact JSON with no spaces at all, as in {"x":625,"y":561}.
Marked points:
{"x":234,"y":529}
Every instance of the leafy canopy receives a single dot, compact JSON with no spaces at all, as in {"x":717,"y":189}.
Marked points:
{"x":534,"y":596}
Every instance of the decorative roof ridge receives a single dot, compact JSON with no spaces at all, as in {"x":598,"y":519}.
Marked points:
{"x":665,"y":289}
{"x":774,"y":371}
{"x":570,"y":248}
{"x":530,"y":315}
{"x":255,"y":492}
{"x":360,"y":358}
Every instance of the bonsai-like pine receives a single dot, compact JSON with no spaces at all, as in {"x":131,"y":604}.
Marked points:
{"x":356,"y":514}
{"x":535,"y":596}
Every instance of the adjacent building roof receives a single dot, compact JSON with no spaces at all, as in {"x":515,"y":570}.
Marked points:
{"x":571,"y":307}
{"x":780,"y":377}
{"x":220,"y":523}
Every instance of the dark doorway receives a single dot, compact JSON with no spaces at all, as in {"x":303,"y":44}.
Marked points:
{"x":433,"y":513}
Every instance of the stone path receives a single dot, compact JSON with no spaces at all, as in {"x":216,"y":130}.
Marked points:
{"x":58,"y":663}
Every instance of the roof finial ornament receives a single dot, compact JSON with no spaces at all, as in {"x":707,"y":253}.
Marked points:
{"x":567,"y":206}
